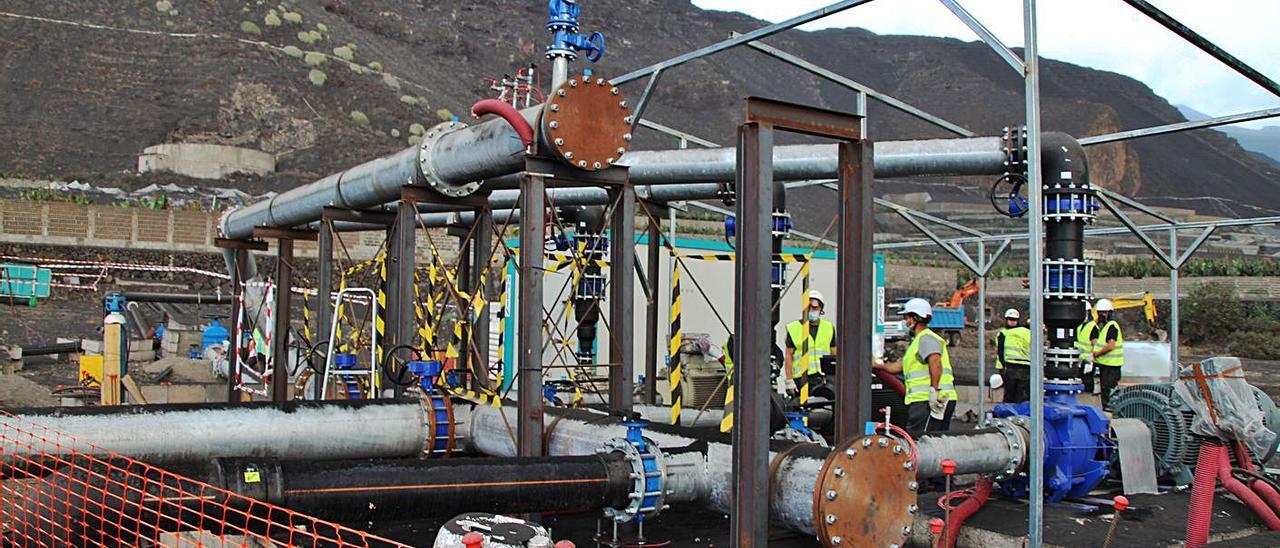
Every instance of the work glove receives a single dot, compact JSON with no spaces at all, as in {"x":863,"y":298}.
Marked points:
{"x":1088,"y":366}
{"x":790,"y":385}
{"x":937,"y":404}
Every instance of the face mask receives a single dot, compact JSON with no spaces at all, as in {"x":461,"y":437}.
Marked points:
{"x":814,"y":316}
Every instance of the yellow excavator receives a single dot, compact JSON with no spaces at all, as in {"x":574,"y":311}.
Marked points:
{"x":1144,"y":301}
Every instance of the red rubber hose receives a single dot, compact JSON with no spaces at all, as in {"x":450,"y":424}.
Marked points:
{"x":1201,"y":510}
{"x":966,"y":509}
{"x":1268,"y":493}
{"x":508,"y":113}
{"x":1243,"y":492}
{"x":891,"y":381}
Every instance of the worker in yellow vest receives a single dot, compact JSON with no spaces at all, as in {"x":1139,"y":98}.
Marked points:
{"x":1108,"y":353}
{"x":1013,"y":358}
{"x":1086,"y":339}
{"x":926,"y":370}
{"x":815,"y":337}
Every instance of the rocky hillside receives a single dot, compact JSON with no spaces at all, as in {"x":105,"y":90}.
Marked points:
{"x":323,"y":84}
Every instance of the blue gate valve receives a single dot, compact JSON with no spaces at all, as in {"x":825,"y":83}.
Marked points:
{"x":562,"y":21}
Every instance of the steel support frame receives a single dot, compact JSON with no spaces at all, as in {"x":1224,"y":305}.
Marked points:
{"x":622,"y":263}
{"x":654,"y":234}
{"x":533,"y":218}
{"x":283,"y":315}
{"x":753,"y":332}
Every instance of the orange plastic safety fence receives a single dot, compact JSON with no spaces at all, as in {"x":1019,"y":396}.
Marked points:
{"x":56,"y":490}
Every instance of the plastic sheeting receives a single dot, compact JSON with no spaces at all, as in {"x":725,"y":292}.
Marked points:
{"x":1224,"y":403}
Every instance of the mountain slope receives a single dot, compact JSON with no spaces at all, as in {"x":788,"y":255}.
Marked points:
{"x":82,"y":101}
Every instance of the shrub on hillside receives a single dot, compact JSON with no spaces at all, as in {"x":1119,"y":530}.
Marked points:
{"x":250,"y":27}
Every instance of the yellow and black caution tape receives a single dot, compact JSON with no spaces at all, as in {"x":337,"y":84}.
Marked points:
{"x":726,"y":423}
{"x":502,"y":322}
{"x":784,"y":257}
{"x":674,"y":355}
{"x":380,"y":320}
{"x":806,"y":340}
{"x":482,"y":397}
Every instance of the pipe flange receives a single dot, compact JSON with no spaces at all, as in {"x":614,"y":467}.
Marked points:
{"x":843,"y":514}
{"x":649,"y":474}
{"x":438,"y":438}
{"x":425,"y":166}
{"x":1014,"y":433}
{"x":587,"y":123}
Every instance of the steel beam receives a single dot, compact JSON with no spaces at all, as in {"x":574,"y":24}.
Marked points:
{"x":622,"y":262}
{"x":863,"y":90}
{"x":1158,"y":227}
{"x":1173,"y":306}
{"x":762,"y":32}
{"x":1133,"y":227}
{"x":749,"y":509}
{"x":283,"y":312}
{"x":404,"y":264}
{"x":483,"y":258}
{"x":241,"y":256}
{"x":1181,"y":126}
{"x":855,"y":276}
{"x":1001,"y":50}
{"x":1205,"y":45}
{"x":1035,"y":260}
{"x":532,"y":232}
{"x":324,"y":294}
{"x":651,"y":314}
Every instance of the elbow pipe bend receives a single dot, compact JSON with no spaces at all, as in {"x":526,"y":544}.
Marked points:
{"x":508,"y":113}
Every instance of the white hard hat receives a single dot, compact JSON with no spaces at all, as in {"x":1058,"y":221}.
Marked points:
{"x":996,"y":381}
{"x":1104,"y":305}
{"x":917,"y":306}
{"x":1012,"y":314}
{"x":815,"y":294}
{"x":1088,"y":306}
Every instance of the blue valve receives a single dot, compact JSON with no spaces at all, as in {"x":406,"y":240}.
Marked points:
{"x":730,"y":226}
{"x":562,"y":22}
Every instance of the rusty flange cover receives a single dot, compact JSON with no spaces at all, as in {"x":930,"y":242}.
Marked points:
{"x":587,"y":122}
{"x":866,"y":494}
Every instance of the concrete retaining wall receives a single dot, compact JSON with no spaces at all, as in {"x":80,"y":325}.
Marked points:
{"x":204,"y":161}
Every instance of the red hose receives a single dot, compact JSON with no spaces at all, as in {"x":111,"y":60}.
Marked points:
{"x":966,"y":509}
{"x":508,"y":113}
{"x":1244,"y":493}
{"x":891,"y":381}
{"x":1268,"y":493}
{"x":1201,"y":509}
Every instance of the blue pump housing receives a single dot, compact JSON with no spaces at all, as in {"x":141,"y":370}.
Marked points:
{"x":214,"y":334}
{"x":1076,"y":452}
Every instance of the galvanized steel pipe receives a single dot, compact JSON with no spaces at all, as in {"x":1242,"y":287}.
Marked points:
{"x":170,"y":433}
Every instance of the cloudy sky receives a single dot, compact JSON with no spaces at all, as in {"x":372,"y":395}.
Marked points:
{"x":1104,"y":34}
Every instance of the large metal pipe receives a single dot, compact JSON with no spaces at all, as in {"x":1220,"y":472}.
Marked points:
{"x":169,"y":433}
{"x":358,"y":491}
{"x":699,"y":464}
{"x":492,"y":149}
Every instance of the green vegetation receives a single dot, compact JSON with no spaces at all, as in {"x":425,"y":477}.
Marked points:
{"x":272,"y":20}
{"x":314,"y":59}
{"x":163,"y":6}
{"x":391,"y":81}
{"x":409,"y":100}
{"x":375,"y":66}
{"x":292,"y":17}
{"x":309,"y":36}
{"x":322,"y":27}
{"x":395,"y":133}
{"x":293,"y":51}
{"x":359,"y":118}
{"x":49,"y":195}
{"x":250,"y":27}
{"x":345,"y":53}
{"x":445,"y":114}
{"x":1214,"y":318}
{"x":416,"y":129}
{"x":317,"y":77}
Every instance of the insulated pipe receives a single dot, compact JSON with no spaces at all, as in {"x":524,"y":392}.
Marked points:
{"x":699,"y":465}
{"x":169,"y":433}
{"x":366,"y":490}
{"x":493,"y":149}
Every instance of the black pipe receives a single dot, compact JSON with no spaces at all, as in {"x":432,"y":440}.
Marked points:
{"x":361,"y":491}
{"x":589,"y":224}
{"x":197,"y":297}
{"x":1065,"y":174}
{"x":51,"y":349}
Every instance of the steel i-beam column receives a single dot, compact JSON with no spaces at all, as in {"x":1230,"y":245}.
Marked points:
{"x":532,"y":231}
{"x":401,"y":312}
{"x":237,"y":278}
{"x":464,"y":280}
{"x":324,"y":304}
{"x":749,"y":515}
{"x":855,"y":272}
{"x":280,"y":334}
{"x":482,"y":246}
{"x":621,"y":299}
{"x":651,"y":314}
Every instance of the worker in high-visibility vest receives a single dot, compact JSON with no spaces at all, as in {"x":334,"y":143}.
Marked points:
{"x":819,"y":341}
{"x":1013,"y":358}
{"x":1108,"y":353}
{"x":1086,"y":338}
{"x":926,"y":370}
